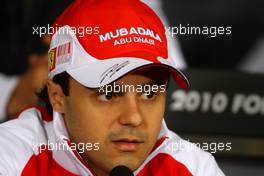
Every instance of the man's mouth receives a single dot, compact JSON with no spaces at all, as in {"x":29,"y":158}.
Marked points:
{"x":127,"y":144}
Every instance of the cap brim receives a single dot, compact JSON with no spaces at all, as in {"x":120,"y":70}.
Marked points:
{"x":101,"y":73}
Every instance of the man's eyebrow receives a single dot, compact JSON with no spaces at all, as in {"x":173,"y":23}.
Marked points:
{"x":151,"y":82}
{"x":154,"y":82}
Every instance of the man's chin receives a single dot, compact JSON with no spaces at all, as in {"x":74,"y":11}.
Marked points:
{"x":131,"y":162}
{"x":132,"y":159}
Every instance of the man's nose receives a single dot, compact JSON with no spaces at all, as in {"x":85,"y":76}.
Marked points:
{"x":131,"y":114}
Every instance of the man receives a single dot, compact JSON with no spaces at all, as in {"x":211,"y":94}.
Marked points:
{"x":107,"y":94}
{"x":32,"y":81}
{"x":19,"y":92}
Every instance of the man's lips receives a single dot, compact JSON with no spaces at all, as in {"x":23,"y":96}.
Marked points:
{"x":127,"y":145}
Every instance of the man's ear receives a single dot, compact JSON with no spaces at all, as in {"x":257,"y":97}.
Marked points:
{"x":56,"y":96}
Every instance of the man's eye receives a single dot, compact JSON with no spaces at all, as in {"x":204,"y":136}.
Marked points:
{"x":106,"y":96}
{"x":149,"y":95}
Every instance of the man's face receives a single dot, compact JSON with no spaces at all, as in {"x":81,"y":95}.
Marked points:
{"x":125,"y":124}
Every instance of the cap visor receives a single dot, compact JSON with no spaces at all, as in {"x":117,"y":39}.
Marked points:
{"x":101,"y":73}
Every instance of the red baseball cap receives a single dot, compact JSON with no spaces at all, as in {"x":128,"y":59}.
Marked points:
{"x":118,"y":36}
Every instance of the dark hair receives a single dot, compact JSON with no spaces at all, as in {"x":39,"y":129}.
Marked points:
{"x":61,"y":79}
